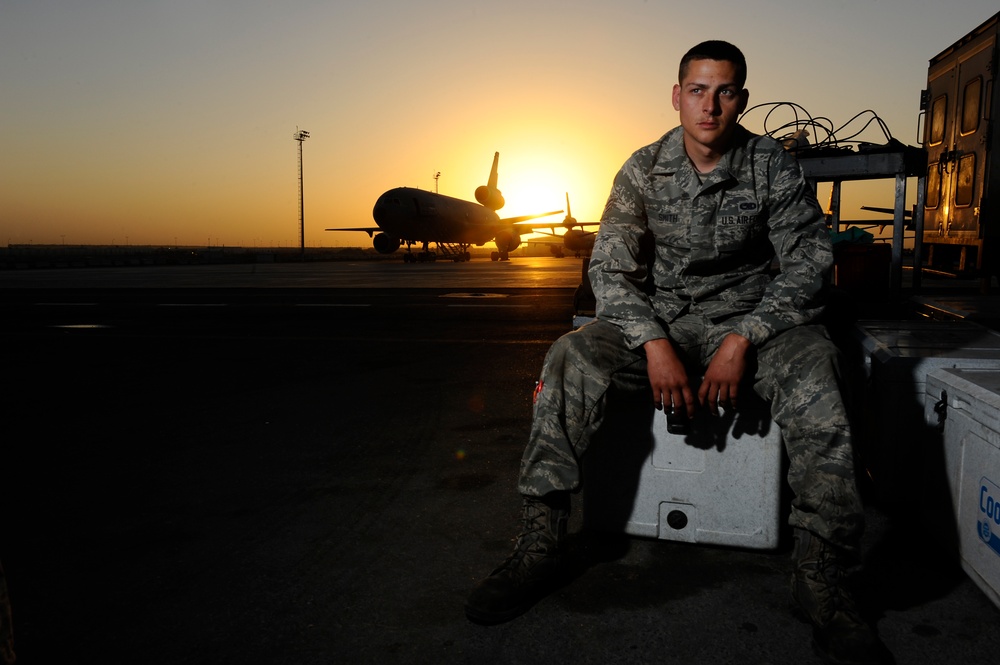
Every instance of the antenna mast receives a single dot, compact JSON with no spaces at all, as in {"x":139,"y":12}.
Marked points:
{"x":301,"y":136}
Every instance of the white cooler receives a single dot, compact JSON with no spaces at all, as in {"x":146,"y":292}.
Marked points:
{"x":969,"y":402}
{"x":898,"y":356}
{"x":720,"y":484}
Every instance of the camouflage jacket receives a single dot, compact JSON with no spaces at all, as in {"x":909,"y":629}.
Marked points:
{"x":669,"y":243}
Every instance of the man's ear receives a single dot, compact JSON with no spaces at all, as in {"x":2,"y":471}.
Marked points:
{"x":676,"y":97}
{"x":744,"y":98}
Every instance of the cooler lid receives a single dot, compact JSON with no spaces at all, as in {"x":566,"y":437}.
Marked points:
{"x":925,"y":338}
{"x":975,"y":392}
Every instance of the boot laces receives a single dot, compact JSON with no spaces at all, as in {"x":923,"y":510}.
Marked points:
{"x":530,"y":543}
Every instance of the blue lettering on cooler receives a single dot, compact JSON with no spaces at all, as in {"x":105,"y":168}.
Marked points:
{"x":989,"y":514}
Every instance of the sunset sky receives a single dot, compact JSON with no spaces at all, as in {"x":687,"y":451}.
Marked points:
{"x":171,"y":121}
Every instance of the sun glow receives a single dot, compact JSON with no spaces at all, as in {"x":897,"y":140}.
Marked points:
{"x":531,"y":193}
{"x":534,"y":183}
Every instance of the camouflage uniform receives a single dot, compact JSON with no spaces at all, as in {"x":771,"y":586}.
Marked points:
{"x":690,"y":259}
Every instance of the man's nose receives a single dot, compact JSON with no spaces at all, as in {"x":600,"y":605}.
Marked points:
{"x":712,"y":104}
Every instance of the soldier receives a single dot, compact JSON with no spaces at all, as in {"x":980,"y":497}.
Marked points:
{"x":682,"y":274}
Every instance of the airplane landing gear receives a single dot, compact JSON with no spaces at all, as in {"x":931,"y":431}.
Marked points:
{"x":453,"y":251}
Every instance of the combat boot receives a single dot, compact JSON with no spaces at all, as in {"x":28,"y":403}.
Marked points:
{"x":533,"y":568}
{"x":840,"y":635}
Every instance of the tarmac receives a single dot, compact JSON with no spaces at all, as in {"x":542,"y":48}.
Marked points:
{"x":314,"y":463}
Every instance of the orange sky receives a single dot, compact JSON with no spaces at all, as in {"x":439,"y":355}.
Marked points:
{"x":171,"y":121}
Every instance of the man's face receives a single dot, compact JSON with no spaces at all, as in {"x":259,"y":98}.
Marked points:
{"x":709,"y":100}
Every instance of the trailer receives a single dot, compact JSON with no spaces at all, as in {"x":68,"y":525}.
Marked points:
{"x":962,"y":206}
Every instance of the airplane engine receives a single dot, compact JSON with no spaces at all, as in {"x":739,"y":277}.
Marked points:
{"x":492,"y":199}
{"x":385,"y":244}
{"x":579,"y":241}
{"x":507,"y":241}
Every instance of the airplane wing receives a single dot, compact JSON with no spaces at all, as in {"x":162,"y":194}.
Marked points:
{"x":520,"y":221}
{"x":544,"y":239}
{"x":560,"y":225}
{"x":577,"y":240}
{"x":367,"y":229}
{"x":568,"y":222}
{"x":886,"y":211}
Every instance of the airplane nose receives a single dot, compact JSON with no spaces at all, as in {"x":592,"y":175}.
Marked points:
{"x":380,"y":209}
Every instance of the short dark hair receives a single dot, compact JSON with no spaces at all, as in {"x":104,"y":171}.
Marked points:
{"x":716,"y":50}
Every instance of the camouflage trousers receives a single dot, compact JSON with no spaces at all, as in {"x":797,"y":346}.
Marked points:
{"x":797,"y":373}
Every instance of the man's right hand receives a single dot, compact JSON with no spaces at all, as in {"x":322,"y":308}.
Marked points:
{"x":667,"y":377}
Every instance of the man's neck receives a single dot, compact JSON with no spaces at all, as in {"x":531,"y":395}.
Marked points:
{"x":703,"y":159}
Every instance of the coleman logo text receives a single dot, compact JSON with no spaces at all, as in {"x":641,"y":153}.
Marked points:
{"x":989,"y":505}
{"x":989,"y":514}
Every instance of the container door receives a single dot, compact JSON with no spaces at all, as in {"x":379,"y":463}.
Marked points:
{"x":956,"y":140}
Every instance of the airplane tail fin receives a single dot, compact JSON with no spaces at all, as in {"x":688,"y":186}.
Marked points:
{"x":492,"y":183}
{"x":569,"y":220}
{"x":488,"y":195}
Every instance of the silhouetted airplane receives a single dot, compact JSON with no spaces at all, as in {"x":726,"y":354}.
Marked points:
{"x":576,"y":239}
{"x":406,"y":215}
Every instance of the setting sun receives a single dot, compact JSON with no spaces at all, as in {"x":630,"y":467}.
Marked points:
{"x":534,"y":182}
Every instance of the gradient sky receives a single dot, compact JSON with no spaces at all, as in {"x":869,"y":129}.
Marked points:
{"x":171,"y":121}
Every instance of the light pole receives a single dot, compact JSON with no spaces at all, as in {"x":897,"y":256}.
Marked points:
{"x":301,"y":136}
{"x":436,"y":176}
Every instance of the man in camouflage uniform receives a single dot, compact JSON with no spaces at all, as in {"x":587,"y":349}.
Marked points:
{"x":681,"y":271}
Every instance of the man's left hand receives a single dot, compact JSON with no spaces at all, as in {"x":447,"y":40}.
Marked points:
{"x":721,"y":384}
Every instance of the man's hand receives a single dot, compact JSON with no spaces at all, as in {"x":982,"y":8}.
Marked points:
{"x":667,"y":377}
{"x":722,"y":378}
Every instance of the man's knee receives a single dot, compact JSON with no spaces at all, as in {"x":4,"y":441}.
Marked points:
{"x":592,"y":344}
{"x":805,"y":350}
{"x":801,"y":368}
{"x":809,"y":383}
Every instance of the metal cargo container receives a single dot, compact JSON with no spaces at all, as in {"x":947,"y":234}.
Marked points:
{"x":963,"y":178}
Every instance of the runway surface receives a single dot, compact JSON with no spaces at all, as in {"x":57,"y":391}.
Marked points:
{"x":314,"y":463}
{"x":518,"y":273}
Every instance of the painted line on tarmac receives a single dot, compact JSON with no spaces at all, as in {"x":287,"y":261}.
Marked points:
{"x":491,"y":306}
{"x":478,"y":295}
{"x":65,"y":304}
{"x":475,"y":294}
{"x":81,"y":326}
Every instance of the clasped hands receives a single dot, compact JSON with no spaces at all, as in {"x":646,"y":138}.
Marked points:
{"x":719,"y":388}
